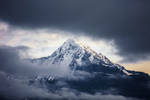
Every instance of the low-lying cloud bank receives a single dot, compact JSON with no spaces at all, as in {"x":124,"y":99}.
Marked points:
{"x":16,"y":72}
{"x":12,"y":63}
{"x":17,"y":89}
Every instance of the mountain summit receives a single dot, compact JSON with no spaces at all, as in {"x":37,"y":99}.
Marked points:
{"x":90,"y":72}
{"x":80,"y":57}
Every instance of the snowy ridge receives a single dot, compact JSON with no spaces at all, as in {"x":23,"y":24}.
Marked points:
{"x":70,"y":50}
{"x":73,"y":54}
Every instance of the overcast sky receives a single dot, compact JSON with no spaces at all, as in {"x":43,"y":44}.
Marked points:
{"x":119,"y":28}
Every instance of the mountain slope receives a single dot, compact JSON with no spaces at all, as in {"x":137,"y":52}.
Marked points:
{"x":91,"y":73}
{"x":79,"y":57}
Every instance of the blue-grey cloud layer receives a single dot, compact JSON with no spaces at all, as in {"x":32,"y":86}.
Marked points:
{"x":125,"y":21}
{"x":15,"y":74}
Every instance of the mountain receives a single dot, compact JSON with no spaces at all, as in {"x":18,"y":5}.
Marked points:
{"x":70,"y":51}
{"x":91,"y":73}
{"x":80,"y":57}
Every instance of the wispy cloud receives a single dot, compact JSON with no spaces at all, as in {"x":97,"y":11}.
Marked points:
{"x":42,"y":42}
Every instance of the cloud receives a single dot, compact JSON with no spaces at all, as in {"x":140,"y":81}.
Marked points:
{"x":124,"y":21}
{"x":15,"y":74}
{"x":42,"y":42}
{"x":12,"y":62}
{"x":70,"y":94}
{"x":18,"y":88}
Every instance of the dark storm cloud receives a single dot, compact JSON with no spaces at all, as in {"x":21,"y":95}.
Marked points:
{"x":127,"y":22}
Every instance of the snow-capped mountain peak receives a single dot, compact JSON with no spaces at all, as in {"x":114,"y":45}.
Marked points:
{"x":69,"y":43}
{"x":73,"y":54}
